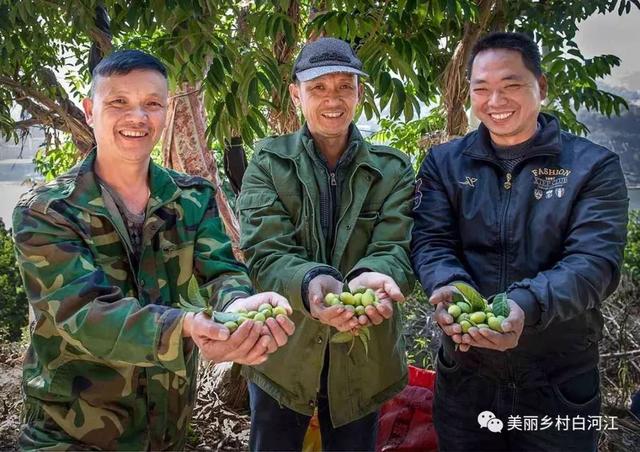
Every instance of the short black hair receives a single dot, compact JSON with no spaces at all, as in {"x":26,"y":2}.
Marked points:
{"x":509,"y":41}
{"x":121,"y":62}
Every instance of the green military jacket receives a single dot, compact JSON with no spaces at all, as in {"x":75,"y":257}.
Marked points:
{"x":282,"y":240}
{"x":107,"y":365}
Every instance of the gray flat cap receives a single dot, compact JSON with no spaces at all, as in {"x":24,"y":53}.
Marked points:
{"x":326,"y":56}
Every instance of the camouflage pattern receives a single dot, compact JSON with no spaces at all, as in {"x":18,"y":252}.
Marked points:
{"x":107,"y":366}
{"x":281,"y":235}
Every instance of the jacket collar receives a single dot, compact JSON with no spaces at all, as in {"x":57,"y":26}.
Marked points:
{"x":358,"y":149}
{"x":85,"y":193}
{"x":547,"y":142}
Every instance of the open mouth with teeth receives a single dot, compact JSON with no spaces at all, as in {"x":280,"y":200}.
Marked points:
{"x":133,"y":133}
{"x":501,"y":116}
{"x":332,"y":114}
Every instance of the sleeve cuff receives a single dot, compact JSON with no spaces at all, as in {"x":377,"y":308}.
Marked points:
{"x":527,"y":301}
{"x":316,"y":271}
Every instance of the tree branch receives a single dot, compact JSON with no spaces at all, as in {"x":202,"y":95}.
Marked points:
{"x":70,"y":115}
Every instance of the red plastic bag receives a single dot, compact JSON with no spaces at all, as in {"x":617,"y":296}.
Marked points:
{"x":406,"y":422}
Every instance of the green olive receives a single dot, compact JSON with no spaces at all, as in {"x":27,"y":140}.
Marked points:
{"x":347,"y":298}
{"x":464,"y":307}
{"x":251,"y":314}
{"x":454,"y":311}
{"x":482,"y":325}
{"x":495,"y":324}
{"x":279,"y":310}
{"x":231,"y":326}
{"x":328,"y":298}
{"x":264,"y":306}
{"x":241,"y":320}
{"x":465,"y":325}
{"x":478,"y":317}
{"x":357,"y":298}
{"x":259,"y":317}
{"x":349,"y":307}
{"x":367,"y":299}
{"x":360,"y":310}
{"x":463,"y":317}
{"x":267,"y":312}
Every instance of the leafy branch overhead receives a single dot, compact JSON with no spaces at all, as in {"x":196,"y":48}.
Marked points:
{"x":239,"y":55}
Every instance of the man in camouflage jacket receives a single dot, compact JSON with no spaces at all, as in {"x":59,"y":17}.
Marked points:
{"x":106,"y":251}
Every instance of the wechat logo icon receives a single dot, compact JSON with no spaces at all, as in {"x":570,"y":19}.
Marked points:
{"x":488,"y":420}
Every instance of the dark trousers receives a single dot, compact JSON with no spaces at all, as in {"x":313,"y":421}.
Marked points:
{"x":277,"y":428}
{"x":462,"y":395}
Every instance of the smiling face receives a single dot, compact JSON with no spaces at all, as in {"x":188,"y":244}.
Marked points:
{"x":506,"y":95}
{"x":328,"y":103}
{"x":127,"y":113}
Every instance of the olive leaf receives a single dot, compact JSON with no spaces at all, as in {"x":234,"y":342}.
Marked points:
{"x":342,"y":337}
{"x":365,"y":344}
{"x":348,"y":336}
{"x":196,"y":302}
{"x":471,"y":296}
{"x":500,"y":306}
{"x":224,"y":317}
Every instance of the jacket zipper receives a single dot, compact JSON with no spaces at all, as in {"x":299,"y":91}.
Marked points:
{"x":507,"y":186}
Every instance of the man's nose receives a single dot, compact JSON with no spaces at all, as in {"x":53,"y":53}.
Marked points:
{"x":333,"y":96}
{"x":496,"y":98}
{"x":137,"y":113}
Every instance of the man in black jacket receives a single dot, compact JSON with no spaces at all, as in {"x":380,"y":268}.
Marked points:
{"x":523,"y":207}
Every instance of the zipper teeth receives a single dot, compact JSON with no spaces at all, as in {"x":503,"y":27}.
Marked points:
{"x":503,"y":276}
{"x":333,"y":246}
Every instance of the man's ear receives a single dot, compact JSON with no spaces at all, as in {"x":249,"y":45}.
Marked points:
{"x":294,"y":92}
{"x":360,"y":92}
{"x":87,"y":106}
{"x":544,"y":86}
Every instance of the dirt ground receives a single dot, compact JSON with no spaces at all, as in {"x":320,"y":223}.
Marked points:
{"x":10,"y":398}
{"x":215,"y":427}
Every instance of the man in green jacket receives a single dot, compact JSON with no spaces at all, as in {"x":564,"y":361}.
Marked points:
{"x":106,"y":252}
{"x":320,"y":208}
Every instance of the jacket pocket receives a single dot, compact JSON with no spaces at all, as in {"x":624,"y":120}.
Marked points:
{"x":360,"y":238}
{"x":255,"y":200}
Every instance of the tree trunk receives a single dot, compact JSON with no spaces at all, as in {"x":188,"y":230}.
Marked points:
{"x":184,"y":148}
{"x":285,"y":120}
{"x":455,"y":88}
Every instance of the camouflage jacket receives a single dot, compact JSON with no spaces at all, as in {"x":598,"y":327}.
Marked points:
{"x":107,"y":366}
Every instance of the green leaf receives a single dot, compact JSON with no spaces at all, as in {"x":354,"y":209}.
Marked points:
{"x":230,"y":103}
{"x":223,"y":317}
{"x":472,"y":296}
{"x":342,"y":337}
{"x":500,"y":306}
{"x":193,"y":291}
{"x":365,"y":344}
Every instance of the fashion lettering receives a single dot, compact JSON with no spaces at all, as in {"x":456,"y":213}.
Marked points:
{"x":551,"y":172}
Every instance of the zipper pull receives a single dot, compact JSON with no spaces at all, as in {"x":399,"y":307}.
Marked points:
{"x":507,"y":183}
{"x":333,"y":179}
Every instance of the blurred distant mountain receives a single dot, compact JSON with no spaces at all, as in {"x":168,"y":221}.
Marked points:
{"x":619,"y":133}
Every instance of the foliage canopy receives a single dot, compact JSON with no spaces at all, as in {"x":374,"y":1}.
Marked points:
{"x":240,"y":54}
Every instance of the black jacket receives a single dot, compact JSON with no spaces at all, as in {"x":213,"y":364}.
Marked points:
{"x":551,"y":233}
